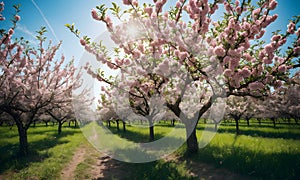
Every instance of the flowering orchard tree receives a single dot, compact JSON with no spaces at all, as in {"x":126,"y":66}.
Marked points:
{"x":242,"y":107}
{"x":190,"y":60}
{"x":62,"y":111}
{"x":236,"y":107}
{"x":30,"y":79}
{"x":283,"y":103}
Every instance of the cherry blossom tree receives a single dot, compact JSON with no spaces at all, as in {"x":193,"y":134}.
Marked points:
{"x":236,"y":107}
{"x":31,"y":80}
{"x":61,"y":112}
{"x":189,"y":59}
{"x":283,"y":104}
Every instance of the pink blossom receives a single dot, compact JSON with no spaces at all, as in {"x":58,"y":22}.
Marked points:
{"x":219,"y":51}
{"x":269,"y":48}
{"x":246,"y":25}
{"x":277,"y":84}
{"x":227,"y":73}
{"x":273,"y":5}
{"x":256,"y":86}
{"x":255,"y":13}
{"x":11,"y":31}
{"x":135,"y":3}
{"x":158,"y":6}
{"x":126,"y":2}
{"x":177,"y":52}
{"x":274,"y":17}
{"x":276,"y":37}
{"x":18,"y":18}
{"x":238,"y":10}
{"x":267,"y":60}
{"x":298,"y":32}
{"x":108,"y":22}
{"x":227,"y":7}
{"x":148,"y":10}
{"x":237,"y":3}
{"x":227,"y":59}
{"x":245,"y":72}
{"x":247,"y":56}
{"x":234,"y":63}
{"x":297,"y":50}
{"x":261,"y":34}
{"x":291,"y":28}
{"x":95,"y":15}
{"x":82,"y":42}
{"x":126,"y":61}
{"x":282,"y":41}
{"x":282,"y":68}
{"x":268,"y":79}
{"x":182,"y":55}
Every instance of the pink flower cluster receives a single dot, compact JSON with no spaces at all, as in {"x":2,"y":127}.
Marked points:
{"x":291,"y":28}
{"x":159,"y":5}
{"x":272,"y":4}
{"x":108,"y":22}
{"x":198,"y":11}
{"x":1,"y":9}
{"x":95,"y":15}
{"x":126,"y":2}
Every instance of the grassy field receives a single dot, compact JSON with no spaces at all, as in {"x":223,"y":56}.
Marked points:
{"x":49,"y":152}
{"x":260,"y":152}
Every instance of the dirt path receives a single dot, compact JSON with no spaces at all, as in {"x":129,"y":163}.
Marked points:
{"x":108,"y":168}
{"x":69,"y":171}
{"x":104,"y":167}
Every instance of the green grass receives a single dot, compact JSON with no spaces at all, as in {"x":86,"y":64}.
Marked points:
{"x":49,"y":152}
{"x":260,"y":152}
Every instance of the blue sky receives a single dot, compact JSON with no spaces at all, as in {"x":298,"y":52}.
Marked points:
{"x":55,"y":14}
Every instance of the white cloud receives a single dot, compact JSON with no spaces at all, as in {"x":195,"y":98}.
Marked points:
{"x":27,"y":34}
{"x":24,"y":30}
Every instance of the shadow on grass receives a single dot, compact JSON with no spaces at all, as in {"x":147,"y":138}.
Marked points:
{"x":286,"y":132}
{"x":277,"y":133}
{"x":9,"y":153}
{"x":135,"y":136}
{"x":258,"y":165}
{"x":151,"y":170}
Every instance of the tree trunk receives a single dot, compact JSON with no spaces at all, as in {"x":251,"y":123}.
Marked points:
{"x":23,"y":140}
{"x":59,"y":127}
{"x":216,"y":125}
{"x":46,"y":123}
{"x":237,"y":125}
{"x":151,"y":133}
{"x":296,"y":120}
{"x":69,"y":123}
{"x":108,"y":123}
{"x":192,"y":142}
{"x":248,"y":123}
{"x":274,"y":122}
{"x":173,"y":122}
{"x":75,"y":123}
{"x":124,"y":127}
{"x":118,"y":128}
{"x":259,"y":121}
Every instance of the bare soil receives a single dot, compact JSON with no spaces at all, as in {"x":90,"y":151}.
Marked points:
{"x":107,"y":168}
{"x":68,"y":172}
